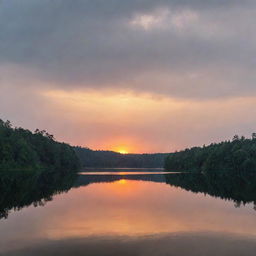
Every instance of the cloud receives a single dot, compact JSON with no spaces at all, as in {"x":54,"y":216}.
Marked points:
{"x":151,"y":20}
{"x":164,"y":19}
{"x":140,"y":123}
{"x":161,"y":75}
{"x":93,"y":45}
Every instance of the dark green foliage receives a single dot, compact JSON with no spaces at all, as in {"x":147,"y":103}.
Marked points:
{"x":21,"y":149}
{"x":238,"y":155}
{"x":110,"y":159}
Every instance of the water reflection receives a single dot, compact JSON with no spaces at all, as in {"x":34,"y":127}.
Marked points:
{"x":138,"y":214}
{"x":192,"y":244}
{"x":21,"y":189}
{"x":241,"y":189}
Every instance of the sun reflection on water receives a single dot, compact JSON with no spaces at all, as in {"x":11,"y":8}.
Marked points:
{"x":122,"y":181}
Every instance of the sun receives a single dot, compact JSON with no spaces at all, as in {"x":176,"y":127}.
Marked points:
{"x":123,"y":151}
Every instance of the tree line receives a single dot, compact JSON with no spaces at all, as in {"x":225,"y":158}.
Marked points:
{"x":21,"y":149}
{"x":110,"y":159}
{"x":236,"y":155}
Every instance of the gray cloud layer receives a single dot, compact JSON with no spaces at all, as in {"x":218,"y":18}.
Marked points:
{"x":191,"y":48}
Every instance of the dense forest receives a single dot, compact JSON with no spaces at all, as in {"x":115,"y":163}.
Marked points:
{"x":21,"y":149}
{"x":92,"y":158}
{"x":238,"y":155}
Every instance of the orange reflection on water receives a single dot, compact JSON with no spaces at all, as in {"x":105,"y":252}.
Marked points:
{"x":128,"y":207}
{"x":122,"y":181}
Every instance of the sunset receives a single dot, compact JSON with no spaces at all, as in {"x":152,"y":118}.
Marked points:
{"x":154,"y":77}
{"x":122,"y":151}
{"x":127,"y":127}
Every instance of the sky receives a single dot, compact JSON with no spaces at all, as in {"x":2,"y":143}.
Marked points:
{"x":135,"y":76}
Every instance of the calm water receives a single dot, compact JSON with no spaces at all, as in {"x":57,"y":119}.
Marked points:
{"x":126,"y":213}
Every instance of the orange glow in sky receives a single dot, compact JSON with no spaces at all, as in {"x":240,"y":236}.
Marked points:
{"x":139,"y":123}
{"x":123,"y":145}
{"x":122,"y":151}
{"x":122,"y":93}
{"x":111,"y":126}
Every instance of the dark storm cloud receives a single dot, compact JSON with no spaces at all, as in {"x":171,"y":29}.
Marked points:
{"x":197,"y":49}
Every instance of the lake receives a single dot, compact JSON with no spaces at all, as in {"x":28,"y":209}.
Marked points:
{"x":127,"y":212}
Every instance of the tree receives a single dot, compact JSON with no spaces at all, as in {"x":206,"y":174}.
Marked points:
{"x":235,"y":138}
{"x":22,"y":149}
{"x":238,"y":155}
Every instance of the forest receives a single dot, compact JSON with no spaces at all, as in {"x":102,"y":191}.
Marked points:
{"x":21,"y":149}
{"x":110,"y":159}
{"x":236,"y":155}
